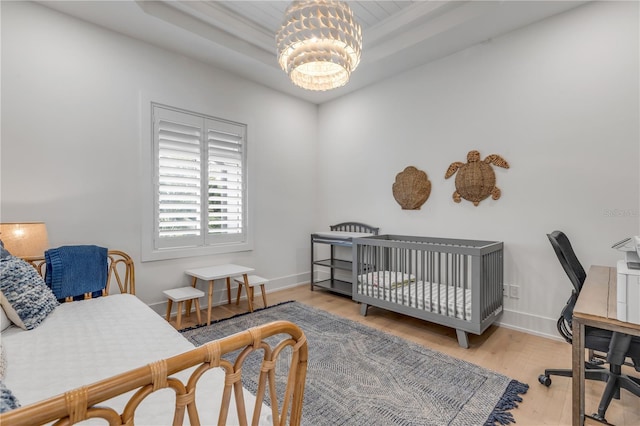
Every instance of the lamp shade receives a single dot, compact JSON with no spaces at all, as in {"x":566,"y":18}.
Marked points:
{"x":319,"y":44}
{"x":24,"y":239}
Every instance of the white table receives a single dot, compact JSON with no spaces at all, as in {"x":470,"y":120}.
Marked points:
{"x":211,"y":273}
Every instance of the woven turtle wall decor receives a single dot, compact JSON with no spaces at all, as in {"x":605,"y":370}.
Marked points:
{"x":411,"y":188}
{"x":476,"y":179}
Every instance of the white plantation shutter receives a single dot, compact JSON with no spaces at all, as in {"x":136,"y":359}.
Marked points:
{"x":179,"y":177}
{"x":200,"y":180}
{"x":226,"y":180}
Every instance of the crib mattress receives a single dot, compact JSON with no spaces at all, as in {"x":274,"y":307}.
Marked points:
{"x":119,"y":333}
{"x":438,"y":298}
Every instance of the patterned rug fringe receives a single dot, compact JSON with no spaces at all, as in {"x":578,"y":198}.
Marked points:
{"x":508,"y":401}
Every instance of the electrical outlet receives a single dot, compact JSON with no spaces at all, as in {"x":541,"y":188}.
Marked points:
{"x":514,"y":291}
{"x":505,"y":290}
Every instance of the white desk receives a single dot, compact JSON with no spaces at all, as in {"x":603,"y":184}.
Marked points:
{"x":211,"y":273}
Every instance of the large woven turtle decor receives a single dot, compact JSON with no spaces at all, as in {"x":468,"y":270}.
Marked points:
{"x":476,"y":179}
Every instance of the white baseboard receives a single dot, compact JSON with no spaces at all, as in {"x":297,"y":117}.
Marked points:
{"x":530,"y":324}
{"x":520,"y":321}
{"x":220,"y":292}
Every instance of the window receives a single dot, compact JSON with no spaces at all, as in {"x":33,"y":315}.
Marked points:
{"x":199,"y":184}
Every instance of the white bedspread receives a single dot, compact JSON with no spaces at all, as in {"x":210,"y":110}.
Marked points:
{"x":116,"y":334}
{"x":439,"y":298}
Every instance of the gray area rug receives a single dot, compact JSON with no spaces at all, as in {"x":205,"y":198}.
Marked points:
{"x":358,"y":375}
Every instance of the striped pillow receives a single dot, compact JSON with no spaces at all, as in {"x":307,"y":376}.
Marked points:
{"x":23,"y":294}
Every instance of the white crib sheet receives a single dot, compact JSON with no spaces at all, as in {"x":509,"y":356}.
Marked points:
{"x":117,"y":333}
{"x":445,"y":299}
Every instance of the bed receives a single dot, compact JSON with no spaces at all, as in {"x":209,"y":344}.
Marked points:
{"x":114,"y":358}
{"x":453,"y":282}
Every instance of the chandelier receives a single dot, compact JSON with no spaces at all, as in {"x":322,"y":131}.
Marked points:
{"x":319,"y":44}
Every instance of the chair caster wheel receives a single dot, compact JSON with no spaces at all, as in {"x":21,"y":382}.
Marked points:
{"x":596,"y":362}
{"x":545,"y":380}
{"x":600,"y":418}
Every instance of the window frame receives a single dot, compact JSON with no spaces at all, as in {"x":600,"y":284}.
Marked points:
{"x":225,"y":243}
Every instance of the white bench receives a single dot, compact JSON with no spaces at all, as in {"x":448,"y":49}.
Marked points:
{"x":253,"y":280}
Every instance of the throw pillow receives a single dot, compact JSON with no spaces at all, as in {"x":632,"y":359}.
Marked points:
{"x":7,"y":400}
{"x":5,"y":322}
{"x":4,"y":253}
{"x":23,"y":294}
{"x":3,"y":362}
{"x":387,"y":279}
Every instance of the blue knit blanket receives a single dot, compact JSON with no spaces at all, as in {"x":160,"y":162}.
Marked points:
{"x":75,"y":270}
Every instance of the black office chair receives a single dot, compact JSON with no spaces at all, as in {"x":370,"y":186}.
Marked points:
{"x":617,"y":346}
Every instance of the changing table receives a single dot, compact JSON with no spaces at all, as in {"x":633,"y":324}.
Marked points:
{"x":339,"y":235}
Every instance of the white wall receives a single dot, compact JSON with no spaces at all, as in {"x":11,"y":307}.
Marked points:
{"x":558,"y":100}
{"x":71,"y":143}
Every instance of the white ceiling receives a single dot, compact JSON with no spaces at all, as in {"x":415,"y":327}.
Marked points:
{"x":239,"y":36}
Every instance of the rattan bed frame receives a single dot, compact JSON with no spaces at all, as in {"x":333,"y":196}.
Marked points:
{"x":84,"y":403}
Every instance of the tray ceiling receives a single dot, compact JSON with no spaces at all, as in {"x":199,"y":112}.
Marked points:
{"x":239,"y":36}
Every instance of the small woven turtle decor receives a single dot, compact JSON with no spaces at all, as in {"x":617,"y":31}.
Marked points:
{"x":411,"y":188}
{"x":476,"y":179}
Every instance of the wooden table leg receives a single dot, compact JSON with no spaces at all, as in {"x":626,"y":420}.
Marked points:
{"x":229,"y":289}
{"x":179,"y":316}
{"x":264,"y":295}
{"x":169,"y":303}
{"x":578,"y":385}
{"x":239,"y":294}
{"x":194,"y":281}
{"x":248,"y":291}
{"x":197,"y":303}
{"x":210,"y":302}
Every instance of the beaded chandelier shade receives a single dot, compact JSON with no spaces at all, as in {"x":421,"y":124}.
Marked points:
{"x":319,"y":44}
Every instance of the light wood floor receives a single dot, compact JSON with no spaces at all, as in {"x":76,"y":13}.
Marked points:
{"x":515,"y":354}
